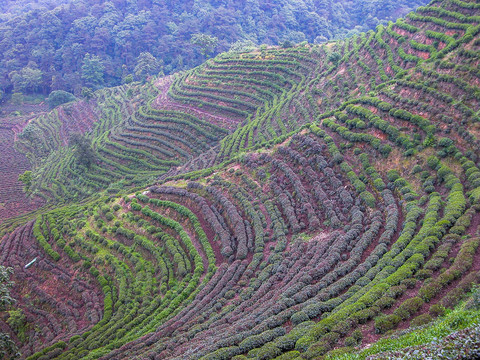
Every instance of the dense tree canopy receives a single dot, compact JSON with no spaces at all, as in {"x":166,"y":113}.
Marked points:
{"x":92,"y":70}
{"x":51,"y":45}
{"x":147,"y":65}
{"x":205,"y":43}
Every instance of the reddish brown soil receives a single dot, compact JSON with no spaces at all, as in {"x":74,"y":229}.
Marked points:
{"x":77,"y":118}
{"x":474,"y":224}
{"x":164,"y":102}
{"x":13,"y":201}
{"x":205,"y":226}
{"x":24,"y":109}
{"x":58,"y":301}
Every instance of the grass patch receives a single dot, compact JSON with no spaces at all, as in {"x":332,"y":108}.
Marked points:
{"x":455,"y":320}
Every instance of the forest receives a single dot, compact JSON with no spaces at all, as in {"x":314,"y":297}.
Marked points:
{"x":67,"y":45}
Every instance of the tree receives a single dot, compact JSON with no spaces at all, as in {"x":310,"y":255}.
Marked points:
{"x":93,"y":70}
{"x":17,"y":322}
{"x":286,"y":44}
{"x":17,"y":98}
{"x":243,"y":46}
{"x":147,"y":64}
{"x":59,"y":97}
{"x":84,"y":152}
{"x":87,"y":93}
{"x":334,"y":58}
{"x":29,"y":79}
{"x":26,"y":178}
{"x":8,"y":348}
{"x":206,"y":43}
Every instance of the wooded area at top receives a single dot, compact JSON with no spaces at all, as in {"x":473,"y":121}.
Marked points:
{"x":45,"y":45}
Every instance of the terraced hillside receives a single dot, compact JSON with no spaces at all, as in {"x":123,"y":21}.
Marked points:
{"x":13,"y":201}
{"x":130,"y":143}
{"x":300,"y":200}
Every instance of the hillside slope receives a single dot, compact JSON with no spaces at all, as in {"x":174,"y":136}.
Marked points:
{"x":323,"y":195}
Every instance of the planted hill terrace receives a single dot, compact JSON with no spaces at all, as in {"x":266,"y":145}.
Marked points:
{"x":140,"y":132}
{"x":262,"y":95}
{"x":57,"y":175}
{"x":345,"y":204}
{"x":292,"y":250}
{"x":234,"y":88}
{"x":147,"y":264}
{"x":239,"y":84}
{"x":427,"y":62}
{"x":131,"y":143}
{"x":13,"y":201}
{"x":62,"y":302}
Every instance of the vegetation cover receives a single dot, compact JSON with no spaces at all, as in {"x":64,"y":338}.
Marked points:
{"x":63,"y":45}
{"x":282,"y":203}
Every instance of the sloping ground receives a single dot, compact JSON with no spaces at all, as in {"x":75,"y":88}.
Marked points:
{"x":132,"y":143}
{"x":13,"y":201}
{"x":347,"y":204}
{"x":277,"y":271}
{"x":56,"y":300}
{"x":427,"y":63}
{"x":284,"y":250}
{"x":463,"y":344}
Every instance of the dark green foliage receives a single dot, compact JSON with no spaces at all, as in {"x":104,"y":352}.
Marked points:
{"x":83,"y":149}
{"x":93,"y":71}
{"x":59,"y":97}
{"x":8,"y":349}
{"x":58,"y":40}
{"x":147,"y":65}
{"x":205,"y":43}
{"x":437,"y":310}
{"x":26,"y":178}
{"x":386,"y":322}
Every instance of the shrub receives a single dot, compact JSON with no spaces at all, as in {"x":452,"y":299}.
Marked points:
{"x":396,"y":291}
{"x":364,"y":315}
{"x":299,"y":317}
{"x":379,"y":184}
{"x":385,"y":302}
{"x":421,"y":320}
{"x":423,"y":274}
{"x":368,"y":198}
{"x":474,"y":301}
{"x":437,"y":310}
{"x":357,"y":335}
{"x":386,"y":322}
{"x":409,"y":307}
{"x":289,"y":355}
{"x":343,"y":327}
{"x":59,"y":97}
{"x":393,"y":175}
{"x":416,"y":169}
{"x":409,"y":283}
{"x":433,"y":162}
{"x":350,"y":341}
